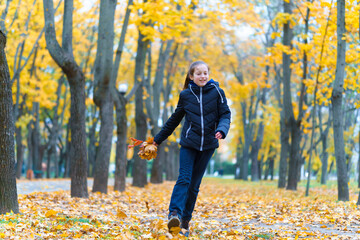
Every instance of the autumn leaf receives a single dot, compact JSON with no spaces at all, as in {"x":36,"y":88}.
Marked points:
{"x":136,"y":142}
{"x":175,"y":230}
{"x":120,"y":214}
{"x":50,"y":213}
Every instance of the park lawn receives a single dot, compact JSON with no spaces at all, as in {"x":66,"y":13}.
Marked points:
{"x":226,"y":209}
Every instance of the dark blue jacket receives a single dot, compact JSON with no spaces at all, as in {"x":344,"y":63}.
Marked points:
{"x":206,"y":112}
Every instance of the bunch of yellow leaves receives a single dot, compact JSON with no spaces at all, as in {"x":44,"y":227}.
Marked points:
{"x":148,"y":149}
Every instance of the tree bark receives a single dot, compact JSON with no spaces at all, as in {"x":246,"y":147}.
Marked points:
{"x":8,"y":191}
{"x":102,"y":95}
{"x":19,"y":153}
{"x":157,"y":170}
{"x":51,"y":150}
{"x":324,"y":154}
{"x":35,"y":142}
{"x":336,"y":99}
{"x":244,"y":169}
{"x":63,"y":56}
{"x":238,"y":165}
{"x":170,"y":165}
{"x":121,"y":150}
{"x":92,"y":147}
{"x":120,"y":102}
{"x":67,"y":154}
{"x":255,"y":146}
{"x":284,"y":137}
{"x":289,"y":120}
{"x":139,"y":170}
{"x":284,"y":152}
{"x":256,"y":165}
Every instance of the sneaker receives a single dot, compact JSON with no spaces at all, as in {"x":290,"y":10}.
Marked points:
{"x":185,"y":224}
{"x":185,"y":227}
{"x":174,"y":221}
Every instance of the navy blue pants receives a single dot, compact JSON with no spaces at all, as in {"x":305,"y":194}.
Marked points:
{"x":192,"y":168}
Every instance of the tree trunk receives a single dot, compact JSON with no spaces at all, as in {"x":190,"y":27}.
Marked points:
{"x":169,"y":164}
{"x":92,"y":147}
{"x":255,"y":175}
{"x":172,"y":162}
{"x":294,"y":162}
{"x":284,"y":136}
{"x":102,"y":95}
{"x":139,"y":170}
{"x":121,"y":149}
{"x":239,"y":159}
{"x":19,"y":153}
{"x":336,"y":99}
{"x":35,"y":142}
{"x":8,"y":191}
{"x":271,"y":167}
{"x":248,"y":136}
{"x":67,"y":172}
{"x":30,"y":161}
{"x":289,"y":119}
{"x":324,"y":155}
{"x":284,"y":152}
{"x":157,"y":170}
{"x":63,"y":56}
{"x":120,"y":102}
{"x":324,"y":159}
{"x":51,"y":150}
{"x":255,"y":147}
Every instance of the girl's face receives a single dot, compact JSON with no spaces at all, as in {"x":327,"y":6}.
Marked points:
{"x":201,"y":75}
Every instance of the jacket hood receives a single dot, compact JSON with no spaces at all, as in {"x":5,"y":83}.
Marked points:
{"x":209,"y":85}
{"x":211,"y":81}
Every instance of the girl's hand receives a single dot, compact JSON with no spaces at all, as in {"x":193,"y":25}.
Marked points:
{"x":218,"y":135}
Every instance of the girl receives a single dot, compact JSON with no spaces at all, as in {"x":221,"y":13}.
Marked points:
{"x":207,"y":119}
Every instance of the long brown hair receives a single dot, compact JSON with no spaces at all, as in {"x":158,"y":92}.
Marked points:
{"x":191,"y":72}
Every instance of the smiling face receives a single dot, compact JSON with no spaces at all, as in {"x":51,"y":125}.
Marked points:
{"x":200,"y":75}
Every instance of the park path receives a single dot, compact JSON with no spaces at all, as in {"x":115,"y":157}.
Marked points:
{"x":51,"y":185}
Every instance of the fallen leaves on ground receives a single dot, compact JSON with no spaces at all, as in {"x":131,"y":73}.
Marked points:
{"x":226,"y":209}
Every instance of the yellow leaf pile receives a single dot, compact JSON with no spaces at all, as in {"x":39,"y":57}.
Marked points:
{"x":225,"y":209}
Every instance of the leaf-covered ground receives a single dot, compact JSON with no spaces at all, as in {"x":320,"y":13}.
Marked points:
{"x":226,"y":209}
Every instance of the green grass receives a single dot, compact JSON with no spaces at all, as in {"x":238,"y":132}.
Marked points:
{"x":9,"y":221}
{"x":262,"y":236}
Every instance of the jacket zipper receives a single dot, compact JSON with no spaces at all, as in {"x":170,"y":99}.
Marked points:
{"x":187,"y":131}
{"x":202,"y":121}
